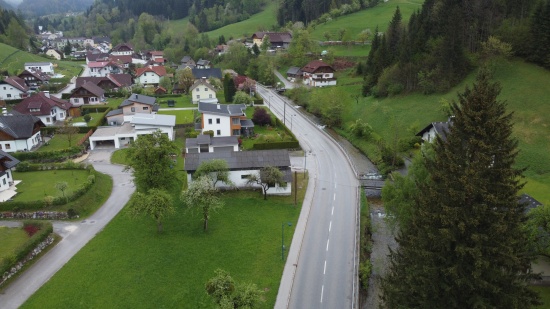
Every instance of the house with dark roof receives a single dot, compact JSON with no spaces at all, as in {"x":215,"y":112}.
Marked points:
{"x":20,"y":132}
{"x":318,"y":74}
{"x":34,"y":78}
{"x":202,"y":90}
{"x":207,"y":73}
{"x":122,"y":49}
{"x":13,"y":88}
{"x":203,"y":64}
{"x":150,"y":75}
{"x":136,"y":103}
{"x":294,"y":73}
{"x":529,"y":202}
{"x":7,"y":184}
{"x":48,"y":108}
{"x":111,"y":82}
{"x":277,"y":39}
{"x":243,"y":164}
{"x":122,"y":60}
{"x":87,"y":93}
{"x":225,"y":119}
{"x":441,"y":128}
{"x":205,"y":143}
{"x":96,"y":56}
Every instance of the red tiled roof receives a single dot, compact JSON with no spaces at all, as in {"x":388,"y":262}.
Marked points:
{"x":17,"y":82}
{"x":40,"y":100}
{"x":314,"y":65}
{"x":159,"y":70}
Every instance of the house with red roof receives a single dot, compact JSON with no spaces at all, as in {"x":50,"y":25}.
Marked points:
{"x":104,"y":68}
{"x":123,"y":60}
{"x":48,"y":109}
{"x":150,"y":75}
{"x":87,"y":93}
{"x":34,"y":77}
{"x":318,"y":74}
{"x":13,"y":88}
{"x":111,"y":82}
{"x":123,"y":49}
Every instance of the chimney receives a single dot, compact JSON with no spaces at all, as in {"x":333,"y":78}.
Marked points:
{"x":47,"y":94}
{"x":136,"y":96}
{"x":218,"y":106}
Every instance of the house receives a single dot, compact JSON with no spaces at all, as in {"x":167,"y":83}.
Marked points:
{"x":45,"y":67}
{"x":48,"y":108}
{"x":20,"y":132}
{"x":87,"y":93}
{"x":7,"y":184}
{"x":150,"y":75}
{"x":123,"y":61}
{"x":104,"y":68}
{"x":136,"y":103}
{"x":139,"y":124}
{"x":243,"y":164}
{"x":203,"y":64}
{"x":293,"y":74}
{"x":529,"y":202}
{"x":205,"y":143}
{"x":434,"y":129}
{"x":155,"y":57}
{"x":102,"y":41}
{"x":34,"y":78}
{"x":277,"y":39}
{"x":78,"y":55}
{"x":225,"y":119}
{"x":96,"y":56}
{"x":221,"y":49}
{"x":54,"y":53}
{"x":207,"y":73}
{"x":111,"y":82}
{"x":187,"y":61}
{"x":318,"y":74}
{"x":13,"y":88}
{"x":122,"y":49}
{"x":201,"y":90}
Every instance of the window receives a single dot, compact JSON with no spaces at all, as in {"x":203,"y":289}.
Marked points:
{"x":8,"y":146}
{"x":146,"y":108}
{"x":236,"y":132}
{"x":218,"y":120}
{"x":9,"y":95}
{"x":76,"y":100}
{"x":218,"y":132}
{"x":205,"y":89}
{"x":4,"y":181}
{"x":48,"y":119}
{"x":4,"y":88}
{"x":133,"y":109}
{"x":198,"y":96}
{"x":0,"y":146}
{"x":209,"y":121}
{"x":61,"y":115}
{"x":246,"y":176}
{"x":210,"y":96}
{"x":236,"y":121}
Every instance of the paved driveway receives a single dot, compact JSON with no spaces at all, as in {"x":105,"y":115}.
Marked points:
{"x":75,"y":234}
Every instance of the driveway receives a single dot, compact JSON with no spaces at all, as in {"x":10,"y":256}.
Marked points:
{"x":75,"y":234}
{"x":288,"y":84}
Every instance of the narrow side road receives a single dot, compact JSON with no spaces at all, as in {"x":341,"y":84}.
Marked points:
{"x":75,"y":234}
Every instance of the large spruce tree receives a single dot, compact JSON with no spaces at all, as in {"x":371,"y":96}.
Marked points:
{"x":465,"y":246}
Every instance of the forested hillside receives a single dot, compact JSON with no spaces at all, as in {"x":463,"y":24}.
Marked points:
{"x":309,"y":10}
{"x":5,"y":5}
{"x":13,"y":30}
{"x":46,"y":7}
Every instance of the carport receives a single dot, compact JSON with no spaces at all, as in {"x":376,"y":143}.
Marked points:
{"x":112,"y":136}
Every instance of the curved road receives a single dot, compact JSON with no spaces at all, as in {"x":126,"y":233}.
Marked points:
{"x":75,"y":234}
{"x":321,"y":268}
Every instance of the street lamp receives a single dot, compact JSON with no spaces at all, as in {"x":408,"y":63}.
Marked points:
{"x":291,"y":120}
{"x":283,"y":239}
{"x":270,"y":101}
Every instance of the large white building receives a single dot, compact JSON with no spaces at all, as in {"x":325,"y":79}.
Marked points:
{"x":45,"y":67}
{"x":225,"y":119}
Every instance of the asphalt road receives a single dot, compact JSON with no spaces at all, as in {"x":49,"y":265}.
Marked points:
{"x":75,"y":234}
{"x":323,"y":272}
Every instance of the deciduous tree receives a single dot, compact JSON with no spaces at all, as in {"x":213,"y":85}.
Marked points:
{"x":68,"y":130}
{"x":229,"y":295}
{"x":217,"y":170}
{"x":185,"y":79}
{"x":155,"y":203}
{"x":201,"y":195}
{"x":268,"y":177}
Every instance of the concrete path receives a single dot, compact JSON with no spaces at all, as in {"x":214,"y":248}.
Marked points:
{"x":75,"y":234}
{"x":288,"y":84}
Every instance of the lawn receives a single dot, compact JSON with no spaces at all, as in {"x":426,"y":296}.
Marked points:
{"x":182,"y":101}
{"x":12,"y":238}
{"x":354,"y":23}
{"x":347,"y":51}
{"x":61,"y":141}
{"x":544,"y":292}
{"x":129,"y":265}
{"x":96,"y":119}
{"x":182,"y":116}
{"x":35,"y":185}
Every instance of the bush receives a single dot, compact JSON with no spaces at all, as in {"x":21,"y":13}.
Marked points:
{"x":47,"y":156}
{"x":277,"y":145}
{"x":261,"y":117}
{"x":365,"y":270}
{"x":87,"y":118}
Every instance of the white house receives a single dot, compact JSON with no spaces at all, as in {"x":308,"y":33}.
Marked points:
{"x":12,"y":88}
{"x":122,"y":49}
{"x":205,"y":143}
{"x":20,"y":132}
{"x":150,"y":75}
{"x":7,"y":184}
{"x":243,"y":164}
{"x":54,"y":53}
{"x":140,"y":124}
{"x":225,"y":119}
{"x":318,"y":74}
{"x":202,"y":90}
{"x":48,"y":108}
{"x":103,"y":68}
{"x":429,"y":133}
{"x":45,"y":67}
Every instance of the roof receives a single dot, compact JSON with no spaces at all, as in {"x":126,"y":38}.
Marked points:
{"x":202,"y":82}
{"x":154,"y":119}
{"x":238,"y":160}
{"x":159,"y":70}
{"x":314,"y":65}
{"x":37,"y":74}
{"x":247,"y":123}
{"x":98,"y":64}
{"x":7,"y":160}
{"x":274,"y":37}
{"x":203,"y":62}
{"x":17,"y":82}
{"x":93,"y":89}
{"x":91,"y":56}
{"x":100,"y":39}
{"x":138,"y":98}
{"x":19,"y":126}
{"x":293,"y":70}
{"x":37,"y":64}
{"x":122,"y":80}
{"x":441,"y":129}
{"x":223,"y":109}
{"x":121,"y":58}
{"x":205,"y":139}
{"x":114,"y":112}
{"x":207,"y":73}
{"x":44,"y":102}
{"x":529,"y":202}
{"x":186,"y":59}
{"x":123,"y":46}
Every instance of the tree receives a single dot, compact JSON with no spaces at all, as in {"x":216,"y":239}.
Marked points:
{"x":538,"y":227}
{"x":242,"y":97}
{"x":216,"y":169}
{"x":466,"y":235}
{"x":166,"y":83}
{"x":202,"y":195}
{"x":62,"y":186}
{"x":156,"y":203}
{"x":185,"y":79}
{"x":220,"y":286}
{"x":266,"y":44}
{"x":17,"y":35}
{"x":227,"y":294}
{"x":261,"y":116}
{"x":229,"y":88}
{"x":268,"y":177}
{"x":68,"y":48}
{"x":68,"y":130}
{"x":151,"y":158}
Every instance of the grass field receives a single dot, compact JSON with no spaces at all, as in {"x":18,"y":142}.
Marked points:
{"x":129,"y":265}
{"x":35,"y":185}
{"x":11,"y":238}
{"x":354,"y":23}
{"x":264,"y":20}
{"x":94,"y":121}
{"x":60,"y":141}
{"x":182,"y":116}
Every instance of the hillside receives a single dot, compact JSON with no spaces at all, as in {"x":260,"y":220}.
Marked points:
{"x":46,"y":7}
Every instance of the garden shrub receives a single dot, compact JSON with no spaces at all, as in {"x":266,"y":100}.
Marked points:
{"x":47,"y":156}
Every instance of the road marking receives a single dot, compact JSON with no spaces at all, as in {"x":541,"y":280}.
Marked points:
{"x":329,"y":226}
{"x":332,"y":211}
{"x":334,"y":198}
{"x":328,"y":240}
{"x":325,"y":269}
{"x":334,"y":183}
{"x":322,"y":290}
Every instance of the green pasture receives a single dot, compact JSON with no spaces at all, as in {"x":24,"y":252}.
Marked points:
{"x":36,"y":185}
{"x":12,"y":238}
{"x":264,"y":20}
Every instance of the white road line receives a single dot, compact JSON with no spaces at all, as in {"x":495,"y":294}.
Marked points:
{"x":328,"y":240}
{"x":325,"y":268}
{"x":334,"y":197}
{"x":329,"y":226}
{"x":332,"y":211}
{"x":322,"y":290}
{"x":334,"y":183}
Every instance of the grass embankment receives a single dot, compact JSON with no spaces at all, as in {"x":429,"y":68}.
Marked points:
{"x":129,"y":265}
{"x":11,"y":238}
{"x":60,"y":141}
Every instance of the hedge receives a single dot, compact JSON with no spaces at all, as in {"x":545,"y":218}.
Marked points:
{"x":115,"y":94}
{"x":168,"y":96}
{"x":25,"y":166}
{"x":20,"y":253}
{"x":277,"y":145}
{"x":48,"y":156}
{"x":95,"y":109}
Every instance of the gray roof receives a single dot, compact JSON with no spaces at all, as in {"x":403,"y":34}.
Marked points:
{"x":139,"y":98}
{"x":18,"y":126}
{"x":37,"y":63}
{"x":10,"y":160}
{"x":239,"y":160}
{"x":216,"y":141}
{"x":154,"y":119}
{"x":247,"y":123}
{"x":114,"y":112}
{"x":206,"y":73}
{"x":293,"y":70}
{"x":441,"y":129}
{"x":222,"y":109}
{"x":529,"y":202}
{"x":186,"y":59}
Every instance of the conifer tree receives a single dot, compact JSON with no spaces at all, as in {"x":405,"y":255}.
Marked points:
{"x":465,"y":246}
